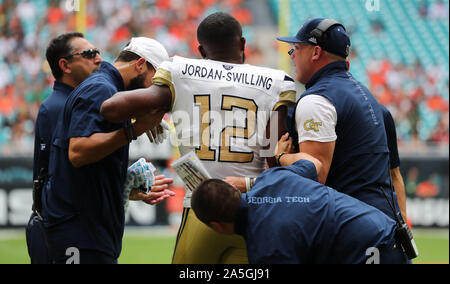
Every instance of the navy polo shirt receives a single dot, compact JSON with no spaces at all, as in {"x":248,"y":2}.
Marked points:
{"x":389,"y":125}
{"x":83,"y":206}
{"x":288,"y":217}
{"x":46,"y":124}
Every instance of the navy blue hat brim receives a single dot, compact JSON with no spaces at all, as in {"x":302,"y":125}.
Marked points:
{"x":291,"y":39}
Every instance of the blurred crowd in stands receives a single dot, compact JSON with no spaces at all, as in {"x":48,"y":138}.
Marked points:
{"x":417,"y":98}
{"x":434,"y":11}
{"x":27,"y":26}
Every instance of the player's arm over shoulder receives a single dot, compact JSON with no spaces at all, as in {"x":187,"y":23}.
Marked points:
{"x":132,"y":104}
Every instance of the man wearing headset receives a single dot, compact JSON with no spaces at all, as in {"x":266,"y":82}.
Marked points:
{"x":337,"y":120}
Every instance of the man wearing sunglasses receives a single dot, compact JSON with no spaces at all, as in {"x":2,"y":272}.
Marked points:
{"x":72,"y":59}
{"x":83,"y":203}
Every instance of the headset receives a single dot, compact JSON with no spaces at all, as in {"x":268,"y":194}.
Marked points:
{"x":320,"y":32}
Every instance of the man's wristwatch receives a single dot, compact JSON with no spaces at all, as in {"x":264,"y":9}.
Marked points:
{"x":278,"y":157}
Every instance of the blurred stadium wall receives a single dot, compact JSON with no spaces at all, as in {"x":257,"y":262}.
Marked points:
{"x":400,"y":50}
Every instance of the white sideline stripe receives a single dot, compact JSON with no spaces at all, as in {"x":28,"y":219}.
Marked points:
{"x":156,"y":231}
{"x":432,"y":233}
{"x":12,"y":234}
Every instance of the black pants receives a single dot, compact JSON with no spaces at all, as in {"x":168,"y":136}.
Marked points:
{"x":37,"y":242}
{"x":64,"y":246}
{"x":68,"y":256}
{"x":394,"y":256}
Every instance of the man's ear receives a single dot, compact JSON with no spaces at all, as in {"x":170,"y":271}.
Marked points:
{"x":243,"y":42}
{"x":63,"y":65}
{"x":202,"y":51}
{"x":317,"y":53}
{"x":139,"y":65}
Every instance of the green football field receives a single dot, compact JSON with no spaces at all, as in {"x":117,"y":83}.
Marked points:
{"x":156,"y":246}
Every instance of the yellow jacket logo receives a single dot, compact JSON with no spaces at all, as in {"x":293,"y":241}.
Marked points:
{"x":311,"y":125}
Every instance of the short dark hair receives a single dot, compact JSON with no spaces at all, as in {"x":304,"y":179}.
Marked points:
{"x":219,"y":32}
{"x":216,"y":200}
{"x":58,"y":48}
{"x":127,"y":56}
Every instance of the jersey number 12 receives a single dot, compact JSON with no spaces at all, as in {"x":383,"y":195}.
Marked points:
{"x":204,"y":152}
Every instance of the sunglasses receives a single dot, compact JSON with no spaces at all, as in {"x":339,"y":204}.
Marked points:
{"x":88,"y":54}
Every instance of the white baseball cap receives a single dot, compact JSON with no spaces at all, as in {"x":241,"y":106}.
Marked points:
{"x":150,"y":49}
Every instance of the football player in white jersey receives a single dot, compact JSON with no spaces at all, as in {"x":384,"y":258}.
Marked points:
{"x":222,"y":109}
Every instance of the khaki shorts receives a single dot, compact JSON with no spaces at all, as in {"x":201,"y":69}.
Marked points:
{"x":199,"y":244}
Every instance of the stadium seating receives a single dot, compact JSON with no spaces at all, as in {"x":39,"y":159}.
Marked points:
{"x":26,"y":27}
{"x":398,"y":34}
{"x":405,"y":36}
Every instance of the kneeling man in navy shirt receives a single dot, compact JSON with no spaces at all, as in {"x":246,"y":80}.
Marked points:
{"x":289,"y":217}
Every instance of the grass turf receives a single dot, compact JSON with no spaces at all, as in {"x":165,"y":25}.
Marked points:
{"x":149,"y":247}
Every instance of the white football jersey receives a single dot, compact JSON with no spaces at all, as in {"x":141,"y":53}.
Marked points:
{"x":221,"y":110}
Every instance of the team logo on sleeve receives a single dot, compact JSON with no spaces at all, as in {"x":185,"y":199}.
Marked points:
{"x":311,"y":125}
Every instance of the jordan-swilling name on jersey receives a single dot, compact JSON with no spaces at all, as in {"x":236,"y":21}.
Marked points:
{"x":228,"y":75}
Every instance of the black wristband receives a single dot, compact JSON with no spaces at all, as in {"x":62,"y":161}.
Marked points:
{"x":279,"y":157}
{"x":132,"y":136}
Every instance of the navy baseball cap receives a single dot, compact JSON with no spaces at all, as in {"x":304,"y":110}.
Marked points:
{"x":334,"y":40}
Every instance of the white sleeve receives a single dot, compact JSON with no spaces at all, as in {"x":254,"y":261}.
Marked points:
{"x":287,"y":93}
{"x":316,"y":119}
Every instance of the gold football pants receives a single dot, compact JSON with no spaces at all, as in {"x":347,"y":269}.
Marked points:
{"x":199,"y":244}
